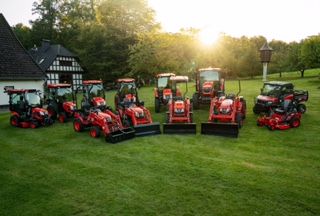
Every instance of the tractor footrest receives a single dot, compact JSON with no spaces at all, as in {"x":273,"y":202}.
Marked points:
{"x":147,"y":129}
{"x":120,"y":135}
{"x":179,"y":128}
{"x":220,"y":129}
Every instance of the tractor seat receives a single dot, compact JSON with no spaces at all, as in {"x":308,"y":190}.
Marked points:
{"x":280,"y":111}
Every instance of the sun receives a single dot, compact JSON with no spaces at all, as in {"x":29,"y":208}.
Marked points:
{"x":208,"y":36}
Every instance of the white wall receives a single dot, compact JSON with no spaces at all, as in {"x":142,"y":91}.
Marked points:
{"x":4,"y":99}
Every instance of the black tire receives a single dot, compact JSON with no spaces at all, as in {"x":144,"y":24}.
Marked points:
{"x":77,"y":125}
{"x":302,"y":108}
{"x":14,"y":121}
{"x":95,"y":132}
{"x":156,"y":105}
{"x":34,"y":124}
{"x":52,"y":112}
{"x":295,"y":122}
{"x":255,"y":110}
{"x":244,"y":109}
{"x":191,"y":117}
{"x":239,"y":120}
{"x":195,"y":101}
{"x":167,"y":117}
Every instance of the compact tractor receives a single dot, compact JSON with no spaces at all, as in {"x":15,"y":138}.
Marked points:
{"x":162,"y":91}
{"x":60,"y":101}
{"x":179,"y":118}
{"x":209,"y":84}
{"x":132,"y":111}
{"x":26,"y":108}
{"x":99,"y":118}
{"x":274,"y":92}
{"x":282,"y":118}
{"x":226,"y":115}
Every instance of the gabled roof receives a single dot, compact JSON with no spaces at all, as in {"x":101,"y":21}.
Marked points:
{"x":15,"y":61}
{"x":47,"y":53}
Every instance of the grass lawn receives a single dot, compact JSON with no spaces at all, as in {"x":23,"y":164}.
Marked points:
{"x":55,"y":171}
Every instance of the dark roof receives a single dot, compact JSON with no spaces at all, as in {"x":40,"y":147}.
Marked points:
{"x":278,"y":83}
{"x":15,"y":61}
{"x":47,"y":53}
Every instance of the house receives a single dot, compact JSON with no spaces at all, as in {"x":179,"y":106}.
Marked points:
{"x":59,"y":64}
{"x":17,"y":68}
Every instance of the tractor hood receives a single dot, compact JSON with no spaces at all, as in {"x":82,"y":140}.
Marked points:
{"x":207,"y":87}
{"x":138,"y":112}
{"x":98,"y":101}
{"x":69,"y":106}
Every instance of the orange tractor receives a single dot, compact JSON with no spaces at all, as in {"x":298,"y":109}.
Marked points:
{"x":26,"y":108}
{"x":132,"y":111}
{"x":226,"y":115}
{"x":60,"y":101}
{"x":162,"y":91}
{"x":179,"y":118}
{"x":99,"y":118}
{"x":209,"y":84}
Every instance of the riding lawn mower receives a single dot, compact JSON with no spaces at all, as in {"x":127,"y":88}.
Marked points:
{"x":132,"y":111}
{"x":179,"y":118}
{"x":99,"y":118}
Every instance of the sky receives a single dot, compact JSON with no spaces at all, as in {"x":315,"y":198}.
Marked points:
{"x":287,"y":20}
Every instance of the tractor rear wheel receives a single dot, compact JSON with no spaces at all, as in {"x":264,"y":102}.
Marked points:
{"x":195,"y":101}
{"x":14,"y":121}
{"x":94,"y":131}
{"x":295,"y":122}
{"x":77,"y":125}
{"x":239,"y":120}
{"x":156,"y":105}
{"x":302,"y":108}
{"x":62,"y":117}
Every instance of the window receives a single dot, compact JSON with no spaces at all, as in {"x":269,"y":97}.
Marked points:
{"x":65,"y":63}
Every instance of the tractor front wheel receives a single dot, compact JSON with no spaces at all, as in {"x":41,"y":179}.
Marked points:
{"x":14,"y":121}
{"x":94,"y":131}
{"x":295,"y":122}
{"x":239,"y":120}
{"x":77,"y":125}
{"x":156,"y":105}
{"x":302,"y":108}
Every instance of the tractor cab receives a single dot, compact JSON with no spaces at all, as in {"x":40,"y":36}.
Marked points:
{"x":26,"y":108}
{"x":60,"y":101}
{"x":209,"y":84}
{"x":93,"y":94}
{"x":163,"y":90}
{"x":127,"y":94}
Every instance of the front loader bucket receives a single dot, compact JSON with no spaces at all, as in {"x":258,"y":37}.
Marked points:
{"x":147,"y":129}
{"x":120,"y":135}
{"x":220,"y":129}
{"x":180,"y":128}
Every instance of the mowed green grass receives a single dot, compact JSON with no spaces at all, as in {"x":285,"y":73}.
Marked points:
{"x":55,"y":171}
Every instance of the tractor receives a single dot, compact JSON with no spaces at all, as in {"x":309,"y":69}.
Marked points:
{"x":99,"y":118}
{"x":60,"y":101}
{"x":274,"y":92}
{"x":132,"y":111}
{"x":209,"y":84}
{"x":282,"y":118}
{"x":162,"y":91}
{"x":179,"y":118}
{"x":226,"y":115}
{"x":26,"y":108}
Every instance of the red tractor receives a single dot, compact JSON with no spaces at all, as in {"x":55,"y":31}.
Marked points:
{"x":226,"y":115}
{"x":179,"y":116}
{"x":209,"y":84}
{"x":26,"y":108}
{"x":99,"y":118}
{"x":274,"y":92}
{"x":162,"y":91}
{"x":281,"y":118}
{"x":132,"y":111}
{"x":60,"y":101}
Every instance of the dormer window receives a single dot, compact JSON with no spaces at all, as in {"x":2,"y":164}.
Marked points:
{"x":65,"y":63}
{"x":41,"y":61}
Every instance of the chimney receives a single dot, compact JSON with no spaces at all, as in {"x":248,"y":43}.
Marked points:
{"x":45,"y":44}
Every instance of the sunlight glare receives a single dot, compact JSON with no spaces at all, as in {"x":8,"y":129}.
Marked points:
{"x":208,"y":37}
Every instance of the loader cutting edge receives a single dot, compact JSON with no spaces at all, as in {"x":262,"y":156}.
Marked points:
{"x":120,"y":135}
{"x":220,"y":129}
{"x":179,"y":128}
{"x":147,"y":129}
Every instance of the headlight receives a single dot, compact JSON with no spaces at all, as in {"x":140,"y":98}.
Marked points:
{"x":42,"y":113}
{"x":109,"y":119}
{"x":139,"y":115}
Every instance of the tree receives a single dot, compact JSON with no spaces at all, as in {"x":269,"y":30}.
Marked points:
{"x":24,"y":35}
{"x":310,"y":52}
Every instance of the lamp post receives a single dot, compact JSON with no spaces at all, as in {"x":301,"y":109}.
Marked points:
{"x":265,"y":57}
